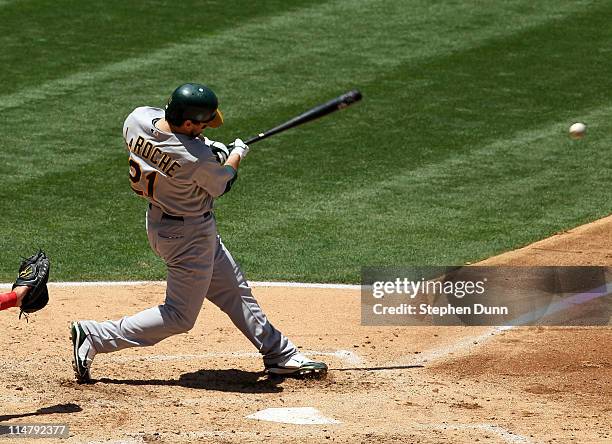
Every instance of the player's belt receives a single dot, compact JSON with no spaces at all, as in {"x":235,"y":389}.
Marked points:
{"x":171,"y":217}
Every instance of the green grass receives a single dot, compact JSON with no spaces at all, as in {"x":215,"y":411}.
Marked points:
{"x":458,"y":151}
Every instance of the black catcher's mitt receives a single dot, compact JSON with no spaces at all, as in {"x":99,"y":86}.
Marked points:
{"x":34,"y":273}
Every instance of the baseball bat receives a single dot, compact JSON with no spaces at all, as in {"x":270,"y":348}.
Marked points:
{"x":316,"y":112}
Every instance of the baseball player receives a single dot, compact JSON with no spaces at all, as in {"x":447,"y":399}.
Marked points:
{"x":180,"y":173}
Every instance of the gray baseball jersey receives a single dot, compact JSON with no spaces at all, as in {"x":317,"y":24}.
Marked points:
{"x":180,"y":177}
{"x":177,"y":173}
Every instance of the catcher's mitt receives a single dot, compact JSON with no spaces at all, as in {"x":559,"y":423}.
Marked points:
{"x":34,"y":273}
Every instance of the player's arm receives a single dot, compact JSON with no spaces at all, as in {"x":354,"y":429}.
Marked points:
{"x":238,"y":153}
{"x":13,"y":298}
{"x":232,"y":167}
{"x":8,"y":300}
{"x":217,"y":179}
{"x":230,"y":160}
{"x":233,"y":161}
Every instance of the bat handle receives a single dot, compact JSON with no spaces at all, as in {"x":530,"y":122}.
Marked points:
{"x":250,"y":141}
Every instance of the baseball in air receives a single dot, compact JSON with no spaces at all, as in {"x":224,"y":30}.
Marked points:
{"x":577,"y":130}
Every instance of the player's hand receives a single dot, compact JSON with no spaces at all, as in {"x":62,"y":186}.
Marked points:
{"x":220,"y":151}
{"x":240,"y":148}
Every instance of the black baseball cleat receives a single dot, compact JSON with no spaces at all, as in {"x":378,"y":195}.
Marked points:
{"x":298,"y":365}
{"x":81,"y":362}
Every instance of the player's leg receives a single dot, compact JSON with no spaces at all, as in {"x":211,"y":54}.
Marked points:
{"x":188,"y":251}
{"x":230,"y":292}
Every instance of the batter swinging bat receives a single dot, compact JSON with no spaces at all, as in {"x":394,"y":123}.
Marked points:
{"x":333,"y":105}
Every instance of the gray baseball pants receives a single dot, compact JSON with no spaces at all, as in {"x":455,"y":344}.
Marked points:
{"x":199,"y":266}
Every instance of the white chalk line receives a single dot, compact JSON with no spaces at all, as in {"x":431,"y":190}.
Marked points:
{"x":345,"y":356}
{"x":446,"y":351}
{"x":464,"y":344}
{"x":502,"y":432}
{"x":163,"y":283}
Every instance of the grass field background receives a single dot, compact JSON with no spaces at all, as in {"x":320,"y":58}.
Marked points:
{"x":458,"y":151}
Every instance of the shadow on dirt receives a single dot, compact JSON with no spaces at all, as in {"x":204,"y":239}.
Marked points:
{"x":226,"y":380}
{"x":59,"y":408}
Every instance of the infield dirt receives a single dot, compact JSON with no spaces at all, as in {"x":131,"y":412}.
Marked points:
{"x":386,"y":384}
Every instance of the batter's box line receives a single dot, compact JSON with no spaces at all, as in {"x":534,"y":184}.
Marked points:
{"x":462,"y":345}
{"x":253,"y":284}
{"x":346,"y":356}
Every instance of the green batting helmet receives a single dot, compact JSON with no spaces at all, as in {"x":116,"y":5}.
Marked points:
{"x":191,"y":101}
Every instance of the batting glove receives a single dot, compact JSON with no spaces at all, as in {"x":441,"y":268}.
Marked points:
{"x":220,"y":151}
{"x":240,"y":148}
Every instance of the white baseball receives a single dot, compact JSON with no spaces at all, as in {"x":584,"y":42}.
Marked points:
{"x":577,"y":130}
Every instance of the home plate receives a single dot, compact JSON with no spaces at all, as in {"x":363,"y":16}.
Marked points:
{"x":293,"y":415}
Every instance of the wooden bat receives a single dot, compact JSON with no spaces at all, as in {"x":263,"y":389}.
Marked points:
{"x":318,"y":111}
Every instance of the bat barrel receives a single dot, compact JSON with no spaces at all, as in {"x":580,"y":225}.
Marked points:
{"x":351,"y":97}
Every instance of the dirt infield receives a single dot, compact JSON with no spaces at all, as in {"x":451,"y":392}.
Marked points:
{"x":387,"y":384}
